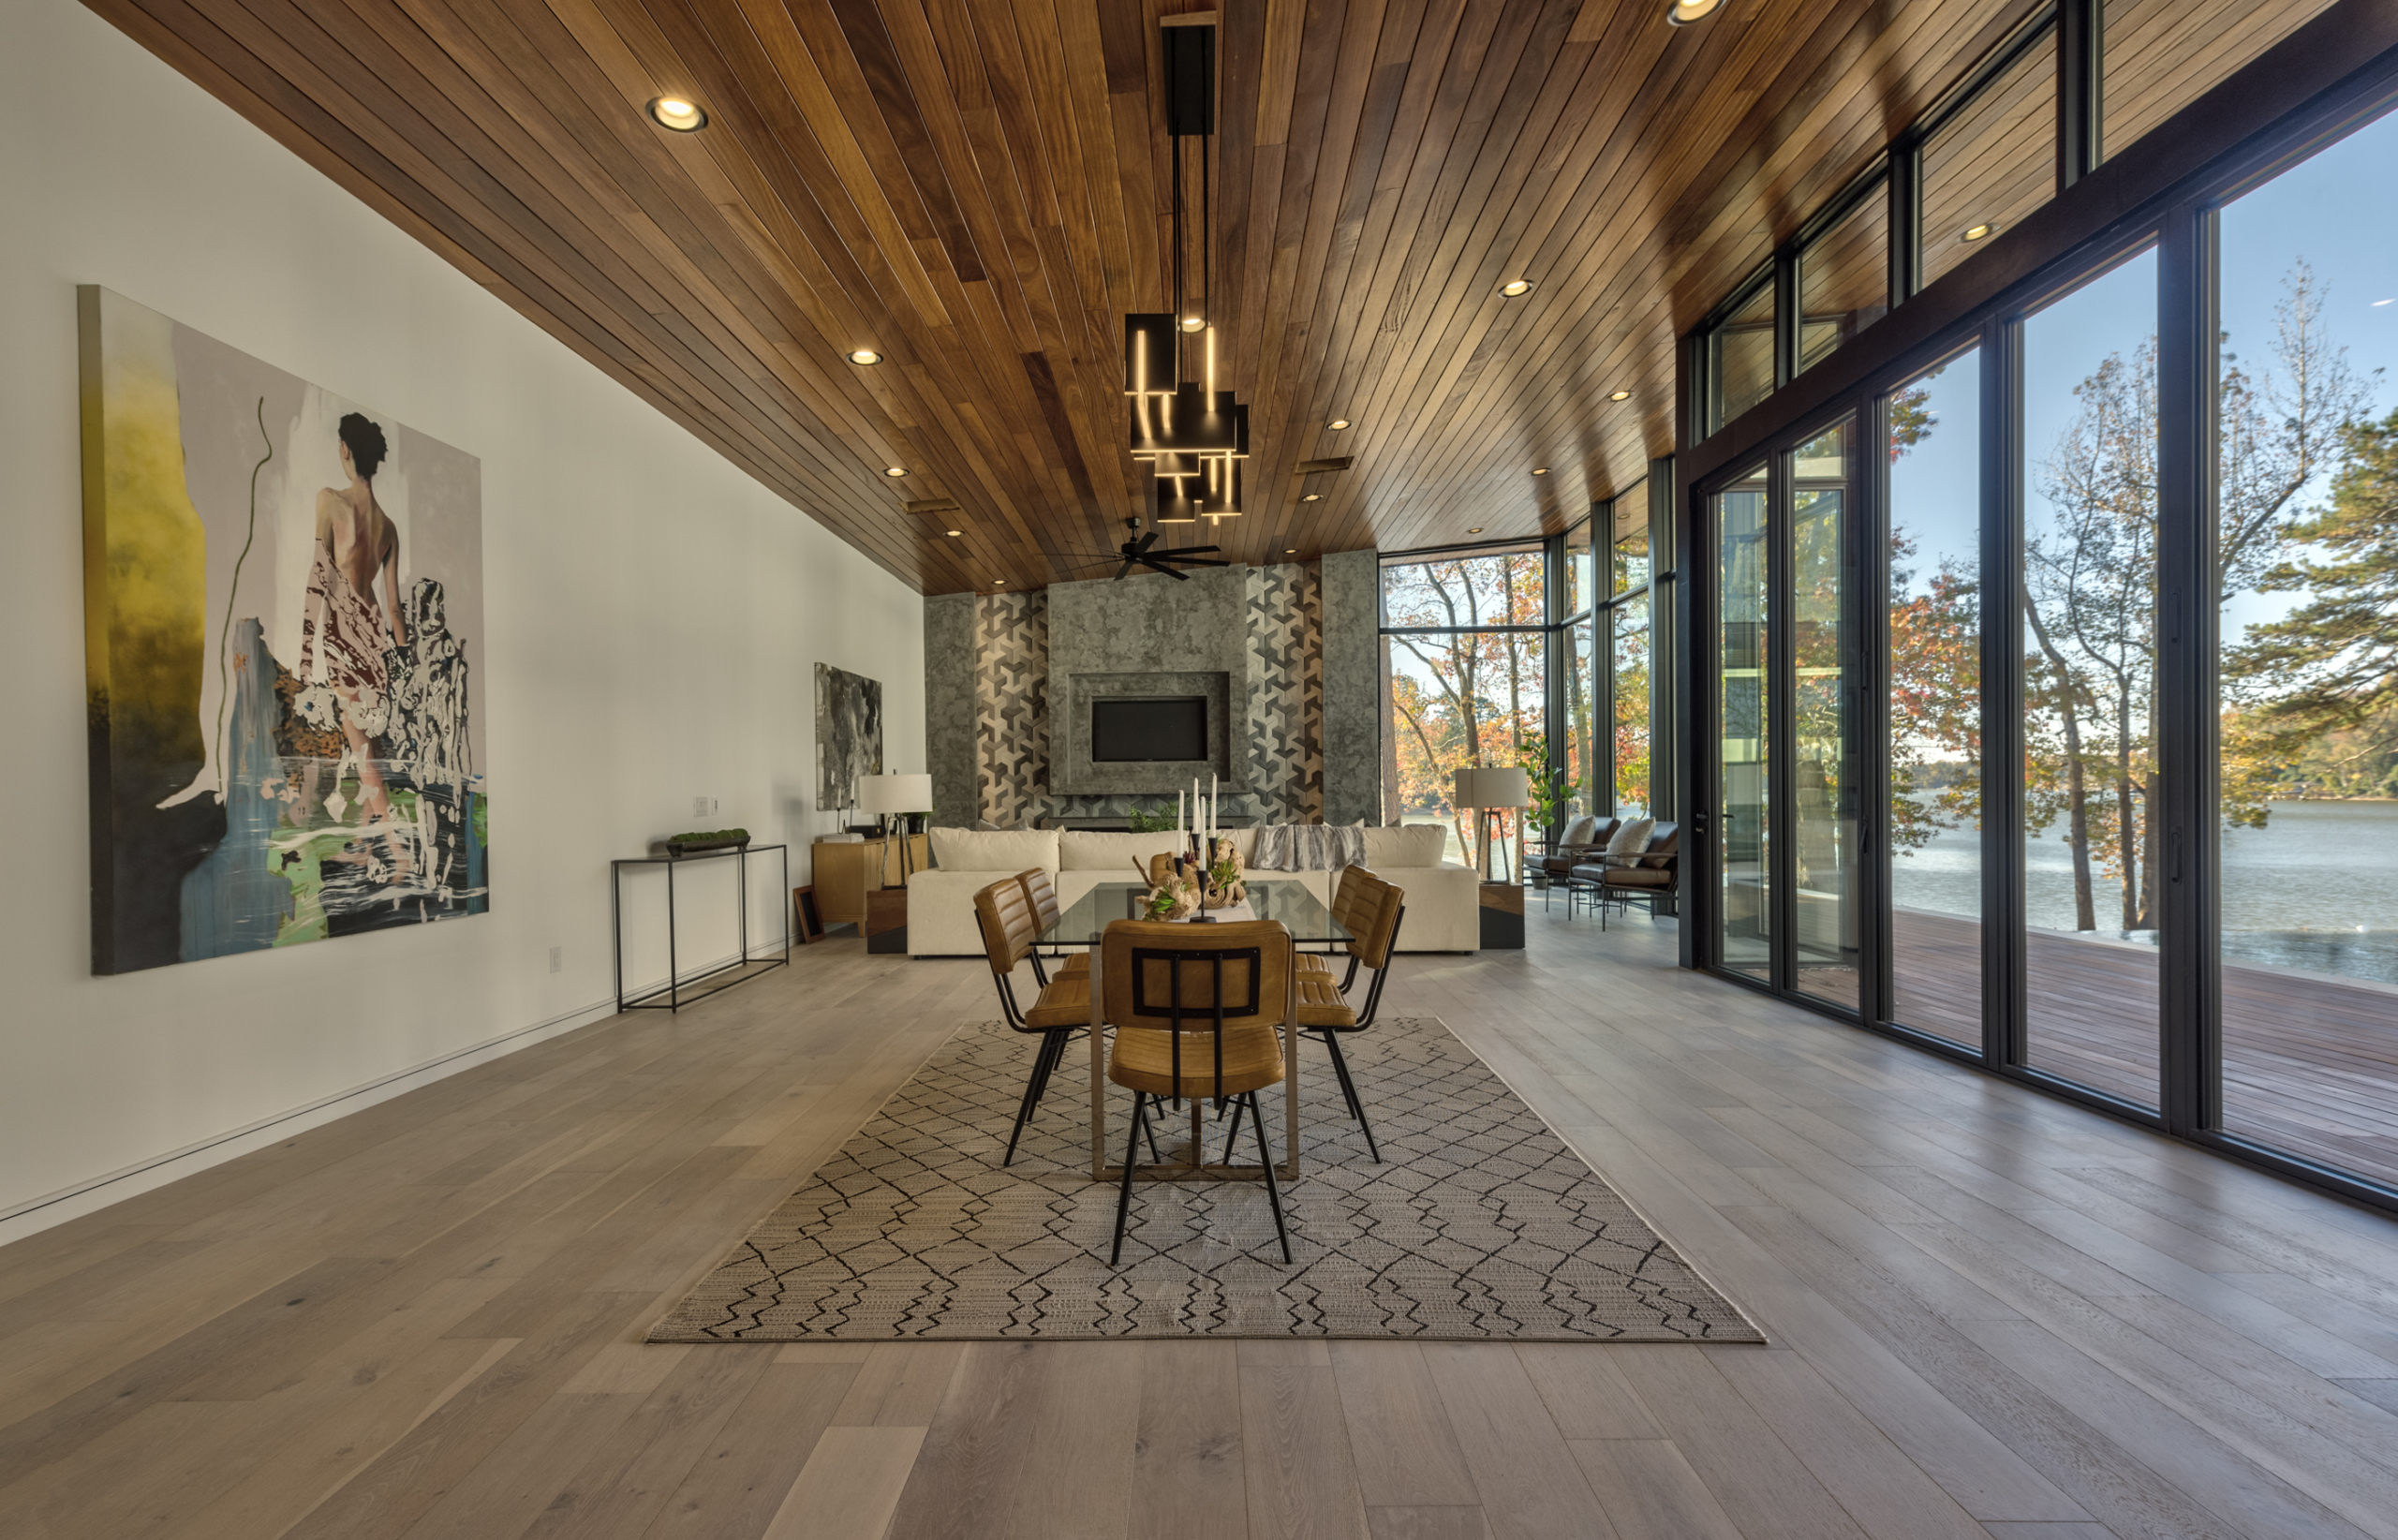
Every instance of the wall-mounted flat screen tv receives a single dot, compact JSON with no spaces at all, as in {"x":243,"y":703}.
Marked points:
{"x":1147,"y":732}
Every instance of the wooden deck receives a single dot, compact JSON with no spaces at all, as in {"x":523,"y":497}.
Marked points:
{"x":2310,"y":1064}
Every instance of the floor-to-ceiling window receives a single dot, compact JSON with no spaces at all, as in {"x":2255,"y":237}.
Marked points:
{"x":1465,"y":657}
{"x":2113,"y":814}
{"x":2306,"y":577}
{"x":2088,"y":608}
{"x":1933,"y":608}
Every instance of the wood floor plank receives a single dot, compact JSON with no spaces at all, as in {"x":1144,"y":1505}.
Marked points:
{"x":1302,"y":1478}
{"x":1189,"y":1466}
{"x":849,"y":1486}
{"x":1650,"y":1491}
{"x":1399,"y":1439}
{"x":743,"y":1473}
{"x":1530,"y":1486}
{"x":1761,"y":1484}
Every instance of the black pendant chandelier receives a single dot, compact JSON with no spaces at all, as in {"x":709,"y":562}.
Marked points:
{"x":1193,"y":436}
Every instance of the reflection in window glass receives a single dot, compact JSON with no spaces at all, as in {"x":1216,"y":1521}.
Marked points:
{"x":1823,"y":781}
{"x":1582,"y":762}
{"x":1935,"y":828}
{"x":1463,"y":698}
{"x":1580,"y":589}
{"x":1739,"y":360}
{"x":2309,"y":750}
{"x":1630,"y":562}
{"x":1631,"y":628}
{"x":1992,"y":163}
{"x":1845,"y":279}
{"x":2089,"y":650}
{"x":1742,"y":840}
{"x":2160,"y":55}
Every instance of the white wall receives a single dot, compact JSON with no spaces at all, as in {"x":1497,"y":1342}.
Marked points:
{"x":653,"y":619}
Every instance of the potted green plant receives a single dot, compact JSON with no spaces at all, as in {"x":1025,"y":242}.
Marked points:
{"x":1553,"y":789}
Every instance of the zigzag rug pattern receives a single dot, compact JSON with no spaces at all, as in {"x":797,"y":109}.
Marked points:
{"x":1479,"y":1224}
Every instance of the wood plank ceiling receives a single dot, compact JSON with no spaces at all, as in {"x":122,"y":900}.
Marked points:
{"x":978,"y":189}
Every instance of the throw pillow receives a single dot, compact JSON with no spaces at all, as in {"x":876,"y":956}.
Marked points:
{"x":1629,"y":841}
{"x":1579,"y":831}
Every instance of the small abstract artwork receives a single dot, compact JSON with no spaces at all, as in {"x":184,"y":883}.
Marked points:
{"x":283,"y":639}
{"x":849,"y":735}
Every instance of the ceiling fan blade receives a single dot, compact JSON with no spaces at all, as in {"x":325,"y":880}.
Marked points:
{"x":1188,"y":550}
{"x":1178,"y":576}
{"x":1146,"y":541}
{"x":1124,"y":571}
{"x":1195,"y":561}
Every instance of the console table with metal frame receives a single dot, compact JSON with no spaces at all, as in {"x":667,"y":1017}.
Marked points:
{"x":676,"y":985}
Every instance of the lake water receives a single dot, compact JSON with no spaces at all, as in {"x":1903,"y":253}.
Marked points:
{"x":2316,"y":888}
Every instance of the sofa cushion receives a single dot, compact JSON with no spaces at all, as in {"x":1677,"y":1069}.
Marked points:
{"x":1009,"y":850}
{"x":1407,"y":845}
{"x":1084,"y":850}
{"x":1663,"y":844}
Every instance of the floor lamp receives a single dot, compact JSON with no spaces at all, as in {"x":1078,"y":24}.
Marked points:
{"x":1487,"y":788}
{"x":887,"y":796}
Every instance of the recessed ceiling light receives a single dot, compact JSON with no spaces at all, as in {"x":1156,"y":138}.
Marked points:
{"x":1978,"y":233}
{"x":676,"y":114}
{"x":1619,"y":395}
{"x":1194,"y":323}
{"x":1312,"y":497}
{"x":1682,"y":13}
{"x":953,"y":534}
{"x":999,"y":582}
{"x":1473,"y":529}
{"x":1290,"y":549}
{"x":1515,"y":287}
{"x":894,"y":470}
{"x":1337,"y":424}
{"x":865,"y":355}
{"x":1540,"y":470}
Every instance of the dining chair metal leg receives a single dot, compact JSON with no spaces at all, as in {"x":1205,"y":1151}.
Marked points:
{"x":1273,"y":1191}
{"x":1032,"y":1086}
{"x":1349,"y":1089}
{"x":1232,"y":1138}
{"x":1141,"y":1115}
{"x":1124,"y":1193}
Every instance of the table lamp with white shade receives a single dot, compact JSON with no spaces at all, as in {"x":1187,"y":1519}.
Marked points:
{"x":1484,"y":789}
{"x":886,"y":797}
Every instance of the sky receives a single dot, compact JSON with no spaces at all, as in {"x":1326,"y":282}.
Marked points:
{"x":2334,"y":210}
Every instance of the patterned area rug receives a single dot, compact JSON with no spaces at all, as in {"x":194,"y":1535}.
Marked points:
{"x":1479,"y":1223}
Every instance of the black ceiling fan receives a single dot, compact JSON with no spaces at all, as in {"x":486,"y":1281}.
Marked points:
{"x":1135,"y":552}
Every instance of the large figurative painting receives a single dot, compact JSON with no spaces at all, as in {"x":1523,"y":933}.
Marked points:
{"x":849,"y":735}
{"x":283,"y":630}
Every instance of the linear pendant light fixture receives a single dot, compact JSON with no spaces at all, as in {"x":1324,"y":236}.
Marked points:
{"x":1193,"y":436}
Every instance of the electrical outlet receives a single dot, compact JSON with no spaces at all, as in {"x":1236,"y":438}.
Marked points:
{"x":557,"y":958}
{"x":699,"y":806}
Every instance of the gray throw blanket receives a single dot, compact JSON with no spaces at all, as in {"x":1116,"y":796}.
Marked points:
{"x":1308,"y":847}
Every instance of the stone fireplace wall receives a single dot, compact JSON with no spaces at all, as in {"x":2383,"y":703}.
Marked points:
{"x":1282,"y":661}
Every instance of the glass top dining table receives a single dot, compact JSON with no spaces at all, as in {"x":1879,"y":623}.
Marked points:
{"x":1302,"y":913}
{"x":1085,"y":923}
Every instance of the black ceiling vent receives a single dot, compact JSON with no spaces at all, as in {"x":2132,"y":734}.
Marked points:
{"x":934,"y":505}
{"x":1308,"y":468}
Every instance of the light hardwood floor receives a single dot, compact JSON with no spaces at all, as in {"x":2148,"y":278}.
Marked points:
{"x":1990,"y":1313}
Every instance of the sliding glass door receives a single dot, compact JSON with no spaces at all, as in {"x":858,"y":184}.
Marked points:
{"x":1788,"y":789}
{"x":1743,"y":840}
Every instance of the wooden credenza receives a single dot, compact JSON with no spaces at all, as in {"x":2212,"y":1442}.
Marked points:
{"x":844,"y":872}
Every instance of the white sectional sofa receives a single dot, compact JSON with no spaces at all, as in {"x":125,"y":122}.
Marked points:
{"x":1443,"y":906}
